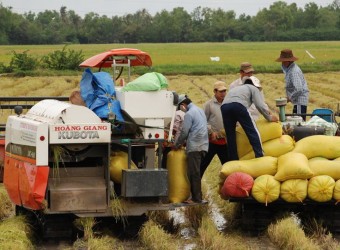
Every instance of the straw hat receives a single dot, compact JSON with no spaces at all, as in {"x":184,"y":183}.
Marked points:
{"x":286,"y":56}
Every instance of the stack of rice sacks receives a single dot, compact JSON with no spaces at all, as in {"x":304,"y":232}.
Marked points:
{"x":309,"y":168}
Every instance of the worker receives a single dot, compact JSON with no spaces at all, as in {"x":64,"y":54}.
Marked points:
{"x":217,"y":140}
{"x":75,"y":98}
{"x":296,"y":85}
{"x":235,"y":109}
{"x":194,"y":133}
{"x":177,"y":126}
{"x":246,"y":69}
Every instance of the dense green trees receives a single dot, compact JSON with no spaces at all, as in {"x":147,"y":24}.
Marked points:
{"x":279,"y":22}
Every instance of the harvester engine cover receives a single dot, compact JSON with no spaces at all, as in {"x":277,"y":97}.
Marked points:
{"x":30,"y":139}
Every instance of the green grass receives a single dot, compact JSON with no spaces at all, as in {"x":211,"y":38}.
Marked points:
{"x":194,"y":58}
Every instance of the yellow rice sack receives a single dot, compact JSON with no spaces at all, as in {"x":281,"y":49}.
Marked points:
{"x":118,"y":162}
{"x":294,"y":190}
{"x":254,"y":167}
{"x":336,"y":192}
{"x":275,"y":147}
{"x":319,"y":145}
{"x":323,"y":166}
{"x":293,"y":166}
{"x":266,"y":189}
{"x":320,"y":188}
{"x":267,"y":130}
{"x":179,"y":186}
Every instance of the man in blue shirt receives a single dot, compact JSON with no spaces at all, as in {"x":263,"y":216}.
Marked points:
{"x":194,"y":133}
{"x":296,"y":86}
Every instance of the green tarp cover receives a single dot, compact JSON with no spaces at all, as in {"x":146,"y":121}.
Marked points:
{"x":148,"y":82}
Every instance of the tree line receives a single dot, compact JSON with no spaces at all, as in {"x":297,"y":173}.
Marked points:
{"x":279,"y":22}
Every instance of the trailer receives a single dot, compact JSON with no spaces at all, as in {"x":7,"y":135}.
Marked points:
{"x":255,"y":216}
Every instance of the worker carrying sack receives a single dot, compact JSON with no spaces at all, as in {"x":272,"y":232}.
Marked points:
{"x":97,"y":90}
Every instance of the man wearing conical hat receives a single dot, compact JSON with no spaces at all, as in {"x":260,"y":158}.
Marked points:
{"x":296,"y":85}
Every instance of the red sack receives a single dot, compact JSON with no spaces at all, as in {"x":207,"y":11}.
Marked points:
{"x":237,"y":184}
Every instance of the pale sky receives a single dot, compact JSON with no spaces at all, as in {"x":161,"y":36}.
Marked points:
{"x":122,"y":7}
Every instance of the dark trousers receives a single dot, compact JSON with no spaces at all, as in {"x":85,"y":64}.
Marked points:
{"x":220,"y":150}
{"x":194,"y":160}
{"x":235,"y":112}
{"x":166,"y":150}
{"x":300,"y":109}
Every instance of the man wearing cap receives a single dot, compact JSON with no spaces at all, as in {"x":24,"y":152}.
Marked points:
{"x":195,"y":133}
{"x":235,"y":109}
{"x":246,"y":69}
{"x":217,"y":140}
{"x":296,"y":85}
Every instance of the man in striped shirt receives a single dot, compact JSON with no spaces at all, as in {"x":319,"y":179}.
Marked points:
{"x":296,"y":85}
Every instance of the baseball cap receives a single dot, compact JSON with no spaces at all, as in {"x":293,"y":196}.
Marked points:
{"x":219,"y":85}
{"x":246,"y":67}
{"x":181,"y":98}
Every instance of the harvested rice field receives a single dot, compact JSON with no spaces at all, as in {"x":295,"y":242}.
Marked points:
{"x":212,"y":226}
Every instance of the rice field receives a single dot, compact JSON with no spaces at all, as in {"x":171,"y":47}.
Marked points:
{"x":313,"y":55}
{"x":324,"y":88}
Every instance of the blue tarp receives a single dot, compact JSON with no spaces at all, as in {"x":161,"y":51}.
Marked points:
{"x":97,"y":90}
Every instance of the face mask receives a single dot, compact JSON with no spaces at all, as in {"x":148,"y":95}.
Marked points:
{"x":181,"y":107}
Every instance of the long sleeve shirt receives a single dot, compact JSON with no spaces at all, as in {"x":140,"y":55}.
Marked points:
{"x":247,"y":95}
{"x":252,"y":109}
{"x":194,"y":130}
{"x":178,"y":122}
{"x":212,"y":110}
{"x":296,"y":85}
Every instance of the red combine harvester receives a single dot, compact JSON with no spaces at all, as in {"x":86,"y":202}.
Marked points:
{"x":57,"y":155}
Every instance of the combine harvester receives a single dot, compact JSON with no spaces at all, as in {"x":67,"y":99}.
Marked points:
{"x":58,"y":156}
